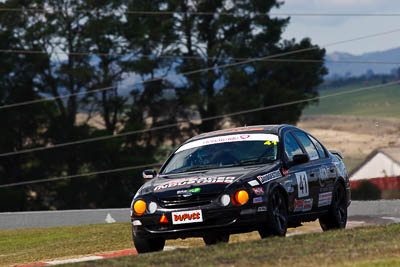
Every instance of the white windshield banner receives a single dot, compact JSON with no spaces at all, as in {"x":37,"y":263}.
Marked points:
{"x":229,"y":139}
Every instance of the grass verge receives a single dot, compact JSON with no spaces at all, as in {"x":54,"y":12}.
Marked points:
{"x":368,"y":246}
{"x":33,"y":245}
{"x":24,"y":246}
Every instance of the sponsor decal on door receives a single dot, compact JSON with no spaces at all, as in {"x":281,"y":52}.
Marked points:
{"x":324,"y":199}
{"x":269,"y":176}
{"x":303,"y":204}
{"x":302,"y":184}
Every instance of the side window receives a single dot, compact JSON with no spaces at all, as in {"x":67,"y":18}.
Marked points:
{"x":291,"y":146}
{"x":308,"y":145}
{"x":321,"y":151}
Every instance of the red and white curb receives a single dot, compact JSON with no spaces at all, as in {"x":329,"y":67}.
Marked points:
{"x":121,"y":253}
{"x":81,"y":259}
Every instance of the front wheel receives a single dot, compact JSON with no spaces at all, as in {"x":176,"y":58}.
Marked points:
{"x":143,"y":245}
{"x":277,"y":216}
{"x":337,"y":214}
{"x":215,"y":239}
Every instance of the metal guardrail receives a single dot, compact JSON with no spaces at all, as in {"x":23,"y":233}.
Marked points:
{"x":36,"y":219}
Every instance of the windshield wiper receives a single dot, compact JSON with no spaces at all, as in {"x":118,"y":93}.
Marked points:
{"x":194,"y":168}
{"x":248,"y":162}
{"x":256,"y":161}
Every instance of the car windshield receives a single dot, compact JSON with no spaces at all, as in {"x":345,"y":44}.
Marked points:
{"x":224,"y":151}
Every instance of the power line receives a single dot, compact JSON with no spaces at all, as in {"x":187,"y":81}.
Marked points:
{"x":56,"y":97}
{"x":297,"y":14}
{"x":187,"y":73}
{"x":161,"y":78}
{"x":334,"y":61}
{"x":362,"y":37}
{"x":205,"y":69}
{"x":193,"y":57}
{"x":205,"y":119}
{"x":81,"y":175}
{"x":189,"y":121}
{"x":177,"y":124}
{"x":199,"y":13}
{"x":197,"y":57}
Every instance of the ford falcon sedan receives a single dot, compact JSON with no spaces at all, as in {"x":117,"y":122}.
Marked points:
{"x":265,"y":178}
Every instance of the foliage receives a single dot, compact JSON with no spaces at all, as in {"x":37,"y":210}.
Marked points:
{"x":366,"y":191}
{"x":98,"y":60}
{"x":271,"y":83}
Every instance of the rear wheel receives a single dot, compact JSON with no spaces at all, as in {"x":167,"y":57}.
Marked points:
{"x":215,"y":239}
{"x":277,"y":216}
{"x":337,"y":214}
{"x":148,"y":245}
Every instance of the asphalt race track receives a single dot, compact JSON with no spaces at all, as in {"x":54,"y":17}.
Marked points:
{"x":371,"y":212}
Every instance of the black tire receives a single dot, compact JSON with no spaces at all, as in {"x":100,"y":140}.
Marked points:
{"x":337,"y":214}
{"x":143,"y":245}
{"x":215,"y":239}
{"x":277,"y":215}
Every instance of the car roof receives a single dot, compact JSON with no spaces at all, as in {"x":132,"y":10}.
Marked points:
{"x":271,"y":129}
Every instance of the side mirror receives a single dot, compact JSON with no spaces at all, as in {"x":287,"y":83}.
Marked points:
{"x":337,"y":153}
{"x":149,"y":174}
{"x":299,"y":159}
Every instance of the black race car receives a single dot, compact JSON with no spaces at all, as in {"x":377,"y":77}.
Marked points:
{"x":265,"y":178}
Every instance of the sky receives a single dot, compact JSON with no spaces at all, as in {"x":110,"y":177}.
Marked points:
{"x":325,"y":30}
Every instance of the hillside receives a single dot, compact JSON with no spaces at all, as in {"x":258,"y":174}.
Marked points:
{"x":355,"y":123}
{"x":358,"y":69}
{"x":380,"y":102}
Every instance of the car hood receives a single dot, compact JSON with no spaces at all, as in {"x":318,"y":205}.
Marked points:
{"x":212,"y":181}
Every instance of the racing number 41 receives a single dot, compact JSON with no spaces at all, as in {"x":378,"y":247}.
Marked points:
{"x":302,"y":184}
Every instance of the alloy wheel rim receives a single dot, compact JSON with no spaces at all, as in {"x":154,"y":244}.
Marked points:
{"x":278,"y":211}
{"x":340,"y":205}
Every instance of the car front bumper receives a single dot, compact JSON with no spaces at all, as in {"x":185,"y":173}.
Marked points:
{"x":215,"y":220}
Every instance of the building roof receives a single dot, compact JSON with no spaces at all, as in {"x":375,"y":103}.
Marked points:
{"x":392,"y":152}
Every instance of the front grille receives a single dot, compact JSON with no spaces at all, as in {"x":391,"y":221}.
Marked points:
{"x":179,"y":201}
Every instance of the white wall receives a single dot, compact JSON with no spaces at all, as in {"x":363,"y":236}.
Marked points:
{"x":378,"y":166}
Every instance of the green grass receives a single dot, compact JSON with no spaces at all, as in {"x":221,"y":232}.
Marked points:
{"x":369,"y":246}
{"x":32,"y":245}
{"x":380,"y":102}
{"x":44,"y":244}
{"x":380,"y":263}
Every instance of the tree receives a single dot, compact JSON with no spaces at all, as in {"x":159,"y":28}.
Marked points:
{"x":104,"y":31}
{"x":153,"y":98}
{"x":248,"y":33}
{"x":75,"y":28}
{"x":172,"y":59}
{"x":271,"y":83}
{"x":23,"y":127}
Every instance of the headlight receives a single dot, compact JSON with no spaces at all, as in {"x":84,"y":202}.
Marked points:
{"x":225,"y":199}
{"x":139,"y":207}
{"x":240,"y":198}
{"x":152,"y":207}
